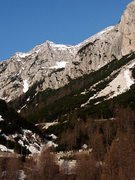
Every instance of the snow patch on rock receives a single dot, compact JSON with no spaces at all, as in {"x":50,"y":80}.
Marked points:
{"x":1,"y":119}
{"x":21,"y":55}
{"x":21,"y":142}
{"x":120,"y":84}
{"x":59,"y":65}
{"x":50,"y":144}
{"x":25,"y":86}
{"x":117,"y":86}
{"x":53,"y":136}
{"x":5,"y":149}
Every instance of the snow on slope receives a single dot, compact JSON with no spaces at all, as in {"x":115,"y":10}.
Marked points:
{"x":25,"y":86}
{"x":61,"y":47}
{"x":129,"y":81}
{"x":117,"y":86}
{"x":1,"y":119}
{"x":120,"y":84}
{"x":30,"y":141}
{"x":47,"y":125}
{"x":59,"y":65}
{"x":22,"y":55}
{"x":5,"y":149}
{"x":27,"y":139}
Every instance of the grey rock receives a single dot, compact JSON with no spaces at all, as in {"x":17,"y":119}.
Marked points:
{"x":55,"y":64}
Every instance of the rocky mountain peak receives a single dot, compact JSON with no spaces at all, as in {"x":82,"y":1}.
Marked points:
{"x":127,"y":28}
{"x":56,"y":64}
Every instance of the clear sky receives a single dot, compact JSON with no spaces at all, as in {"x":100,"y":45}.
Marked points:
{"x":27,"y":23}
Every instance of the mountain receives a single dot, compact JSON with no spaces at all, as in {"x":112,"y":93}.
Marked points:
{"x":51,"y":63}
{"x":56,"y":64}
{"x":54,"y":83}
{"x":70,"y":110}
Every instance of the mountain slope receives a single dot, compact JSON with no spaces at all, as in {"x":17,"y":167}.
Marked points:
{"x":16,"y":134}
{"x":53,"y":82}
{"x":50,"y":63}
{"x":54,"y":64}
{"x":50,"y":104}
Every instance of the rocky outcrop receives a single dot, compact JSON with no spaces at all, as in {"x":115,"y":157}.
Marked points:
{"x":56,"y":64}
{"x":44,"y":62}
{"x":101,"y":49}
{"x":51,"y":63}
{"x":127,"y":29}
{"x":113,"y":42}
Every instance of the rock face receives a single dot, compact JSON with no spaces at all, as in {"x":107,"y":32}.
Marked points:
{"x":44,"y":62}
{"x":101,"y":49}
{"x":56,"y":64}
{"x":127,"y":29}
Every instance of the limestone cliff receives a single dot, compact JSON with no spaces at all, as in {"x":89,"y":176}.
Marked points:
{"x":54,"y":64}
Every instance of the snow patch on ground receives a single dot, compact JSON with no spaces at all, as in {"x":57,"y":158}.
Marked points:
{"x":22,"y":175}
{"x":22,"y":55}
{"x":25,"y":86}
{"x":21,"y":142}
{"x":30,"y":141}
{"x":53,"y":136}
{"x":128,"y":76}
{"x":1,"y":119}
{"x":5,"y":149}
{"x":47,"y":125}
{"x":129,"y":81}
{"x":89,"y":100}
{"x":62,"y":47}
{"x":85,"y":146}
{"x":28,"y":99}
{"x":50,"y":144}
{"x":14,"y":135}
{"x":19,"y":110}
{"x":120,"y":84}
{"x":59,"y":65}
{"x":26,"y":131}
{"x":117,"y":86}
{"x":84,"y":92}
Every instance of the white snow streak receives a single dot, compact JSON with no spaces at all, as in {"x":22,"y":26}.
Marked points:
{"x":19,"y":110}
{"x":59,"y":65}
{"x":33,"y":147}
{"x":47,"y":125}
{"x":5,"y":149}
{"x":22,"y":55}
{"x":117,"y":86}
{"x":25,"y":86}
{"x":14,"y":135}
{"x":61,"y":46}
{"x":1,"y":119}
{"x":21,"y":142}
{"x":53,"y":136}
{"x":50,"y":144}
{"x":129,"y":81}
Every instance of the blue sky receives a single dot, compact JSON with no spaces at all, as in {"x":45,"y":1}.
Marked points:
{"x":27,"y":23}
